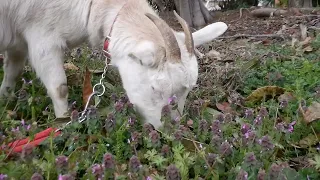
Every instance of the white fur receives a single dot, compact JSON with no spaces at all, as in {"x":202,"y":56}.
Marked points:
{"x":42,"y":29}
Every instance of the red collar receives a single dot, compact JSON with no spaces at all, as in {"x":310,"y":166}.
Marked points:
{"x":107,"y":39}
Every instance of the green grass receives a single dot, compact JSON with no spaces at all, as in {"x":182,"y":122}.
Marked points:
{"x":233,"y":146}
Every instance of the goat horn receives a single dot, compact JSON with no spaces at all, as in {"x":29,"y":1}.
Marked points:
{"x":171,"y":44}
{"x":187,"y":33}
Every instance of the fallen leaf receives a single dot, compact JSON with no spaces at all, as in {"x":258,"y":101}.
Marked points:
{"x":214,"y":55}
{"x":266,"y":42}
{"x":306,"y":41}
{"x":190,"y":123}
{"x":307,"y":49}
{"x":70,"y":66}
{"x":309,"y":141}
{"x":296,"y":11}
{"x":312,"y":113}
{"x":303,"y":29}
{"x":264,"y":92}
{"x":87,"y":87}
{"x":224,"y":107}
{"x":288,"y":96}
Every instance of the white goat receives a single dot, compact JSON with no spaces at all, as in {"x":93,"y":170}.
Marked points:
{"x":154,"y":61}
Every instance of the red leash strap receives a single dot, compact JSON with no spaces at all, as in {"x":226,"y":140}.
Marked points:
{"x":18,"y":145}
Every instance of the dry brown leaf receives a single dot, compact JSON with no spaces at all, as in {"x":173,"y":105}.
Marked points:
{"x":308,"y":141}
{"x":87,"y":87}
{"x":224,"y":107}
{"x":266,"y":42}
{"x":213,"y":54}
{"x":312,"y":113}
{"x":70,"y":66}
{"x":307,"y":49}
{"x":295,"y":11}
{"x":190,"y":123}
{"x":288,"y":96}
{"x":263,"y":92}
{"x":306,"y":41}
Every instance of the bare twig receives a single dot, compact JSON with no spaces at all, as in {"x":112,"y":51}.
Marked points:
{"x":241,"y":12}
{"x":308,"y":15}
{"x":255,"y":36}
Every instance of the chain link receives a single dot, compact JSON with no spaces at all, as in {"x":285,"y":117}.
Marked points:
{"x":95,"y":92}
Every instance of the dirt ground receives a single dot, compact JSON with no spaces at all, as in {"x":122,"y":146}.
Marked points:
{"x":241,"y":22}
{"x":219,"y":73}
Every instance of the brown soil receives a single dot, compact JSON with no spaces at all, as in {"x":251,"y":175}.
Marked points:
{"x":219,"y":75}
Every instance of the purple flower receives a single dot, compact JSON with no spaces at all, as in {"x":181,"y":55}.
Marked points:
{"x":109,"y":123}
{"x":3,"y":177}
{"x":65,"y":177}
{"x":23,"y":122}
{"x":220,"y":117}
{"x":165,"y":150}
{"x":258,"y":120}
{"x":216,"y":128}
{"x":131,"y":121}
{"x":108,"y":161}
{"x":248,"y":113}
{"x":165,"y":110}
{"x":225,"y":148}
{"x":36,"y":176}
{"x":250,"y":159}
{"x":147,"y":128}
{"x":263,"y":112}
{"x":148,"y":178}
{"x":119,"y":106}
{"x":211,"y":158}
{"x":28,"y":127}
{"x":135,"y":136}
{"x":245,"y":128}
{"x":15,"y":129}
{"x":242,"y":175}
{"x":74,"y":115}
{"x":216,"y":140}
{"x":97,"y":170}
{"x":173,"y":173}
{"x":286,"y":128}
{"x":266,"y":143}
{"x":178,"y":135}
{"x":274,"y":171}
{"x":291,"y":126}
{"x":172,"y":100}
{"x":61,"y":162}
{"x":249,"y":137}
{"x":134,"y":164}
{"x":203,"y":126}
{"x":261,"y":174}
{"x":155,"y":137}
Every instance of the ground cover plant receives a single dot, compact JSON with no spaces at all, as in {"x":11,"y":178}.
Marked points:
{"x":254,"y":117}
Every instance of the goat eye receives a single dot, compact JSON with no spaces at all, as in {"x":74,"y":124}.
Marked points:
{"x":152,"y":87}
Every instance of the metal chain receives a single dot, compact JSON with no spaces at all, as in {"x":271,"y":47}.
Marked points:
{"x":95,"y":92}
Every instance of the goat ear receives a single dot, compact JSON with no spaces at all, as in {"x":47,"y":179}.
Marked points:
{"x":207,"y":33}
{"x":147,"y":54}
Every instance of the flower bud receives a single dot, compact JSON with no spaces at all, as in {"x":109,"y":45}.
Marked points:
{"x":36,"y":176}
{"x":108,"y":161}
{"x":134,"y":164}
{"x":173,"y":173}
